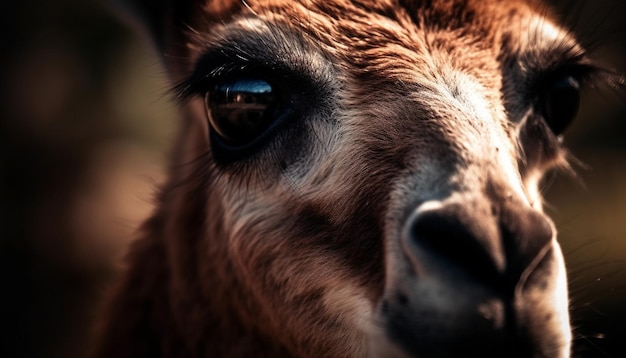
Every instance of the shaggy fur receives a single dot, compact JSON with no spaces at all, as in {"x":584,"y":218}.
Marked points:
{"x":395,"y":212}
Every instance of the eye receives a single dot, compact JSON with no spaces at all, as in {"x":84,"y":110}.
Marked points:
{"x":240,"y":110}
{"x":560,"y":103}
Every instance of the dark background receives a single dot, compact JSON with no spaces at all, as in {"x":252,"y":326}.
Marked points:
{"x":85,"y":127}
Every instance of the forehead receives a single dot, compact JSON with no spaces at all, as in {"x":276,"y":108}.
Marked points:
{"x":483,"y":16}
{"x":421,"y":36}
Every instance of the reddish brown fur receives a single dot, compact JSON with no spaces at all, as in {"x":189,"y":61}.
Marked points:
{"x":228,"y":271}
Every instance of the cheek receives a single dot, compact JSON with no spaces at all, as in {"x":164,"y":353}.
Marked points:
{"x":278,"y":253}
{"x":257,"y":230}
{"x":266,"y":238}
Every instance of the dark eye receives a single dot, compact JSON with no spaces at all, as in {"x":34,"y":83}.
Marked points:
{"x":240,"y":110}
{"x":560,"y":103}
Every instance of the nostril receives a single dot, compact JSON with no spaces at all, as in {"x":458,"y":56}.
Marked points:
{"x":453,"y":238}
{"x":525,"y":236}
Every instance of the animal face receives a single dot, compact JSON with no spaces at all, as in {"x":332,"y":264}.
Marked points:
{"x":360,"y":178}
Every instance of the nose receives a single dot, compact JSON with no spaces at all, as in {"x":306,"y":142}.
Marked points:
{"x":492,"y":243}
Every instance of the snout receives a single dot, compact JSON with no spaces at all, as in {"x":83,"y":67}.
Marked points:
{"x":477,"y":277}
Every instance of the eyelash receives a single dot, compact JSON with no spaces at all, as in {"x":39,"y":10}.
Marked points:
{"x":200,"y":82}
{"x":574,"y":62}
{"x":222,"y":63}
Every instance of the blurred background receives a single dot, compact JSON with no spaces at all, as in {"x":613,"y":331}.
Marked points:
{"x":85,"y":128}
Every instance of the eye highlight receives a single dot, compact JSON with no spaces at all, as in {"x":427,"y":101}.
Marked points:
{"x":560,"y":103}
{"x":240,"y":110}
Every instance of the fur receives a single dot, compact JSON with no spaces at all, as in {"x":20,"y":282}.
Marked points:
{"x":298,"y":247}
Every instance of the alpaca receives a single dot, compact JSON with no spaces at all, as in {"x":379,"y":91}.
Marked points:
{"x":355,"y":178}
